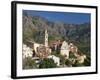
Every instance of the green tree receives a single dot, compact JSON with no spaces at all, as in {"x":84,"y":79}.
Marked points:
{"x":47,"y":63}
{"x":68,"y":62}
{"x":71,"y":55}
{"x":62,"y":60}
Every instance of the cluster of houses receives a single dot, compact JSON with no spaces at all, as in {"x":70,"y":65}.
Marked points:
{"x":33,"y":49}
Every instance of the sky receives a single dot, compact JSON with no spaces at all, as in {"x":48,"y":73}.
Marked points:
{"x":66,"y":17}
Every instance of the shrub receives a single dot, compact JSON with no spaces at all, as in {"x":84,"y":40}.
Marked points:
{"x":47,"y":63}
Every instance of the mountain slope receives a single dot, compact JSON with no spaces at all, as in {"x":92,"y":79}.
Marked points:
{"x":34,"y":27}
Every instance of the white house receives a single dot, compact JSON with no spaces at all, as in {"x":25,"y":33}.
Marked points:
{"x":65,"y":49}
{"x":26,"y":51}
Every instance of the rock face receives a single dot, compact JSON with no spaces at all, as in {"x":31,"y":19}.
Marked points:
{"x":35,"y":26}
{"x":65,"y":49}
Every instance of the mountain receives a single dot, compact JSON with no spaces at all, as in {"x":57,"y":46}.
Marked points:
{"x":34,"y":27}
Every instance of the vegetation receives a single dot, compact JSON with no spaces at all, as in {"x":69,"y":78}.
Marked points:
{"x":87,"y":61}
{"x":68,"y":63}
{"x":28,"y":63}
{"x":71,"y":55}
{"x":77,"y":64}
{"x":47,"y":63}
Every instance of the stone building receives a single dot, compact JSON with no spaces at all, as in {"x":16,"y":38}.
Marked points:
{"x":65,"y":49}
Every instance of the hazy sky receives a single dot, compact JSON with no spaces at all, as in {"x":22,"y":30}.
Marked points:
{"x":66,"y":17}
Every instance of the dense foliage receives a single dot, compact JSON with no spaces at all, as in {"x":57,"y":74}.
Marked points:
{"x":47,"y":63}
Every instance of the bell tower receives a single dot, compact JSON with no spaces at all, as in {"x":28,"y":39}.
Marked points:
{"x":46,"y":38}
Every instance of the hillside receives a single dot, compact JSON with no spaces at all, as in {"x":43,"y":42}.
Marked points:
{"x":79,"y":34}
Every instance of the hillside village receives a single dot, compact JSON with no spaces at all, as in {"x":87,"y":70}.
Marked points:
{"x":62,"y":53}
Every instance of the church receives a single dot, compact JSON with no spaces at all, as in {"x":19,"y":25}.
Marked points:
{"x":40,"y":50}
